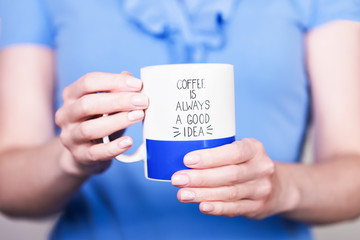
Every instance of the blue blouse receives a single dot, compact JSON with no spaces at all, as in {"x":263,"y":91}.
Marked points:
{"x":263,"y":39}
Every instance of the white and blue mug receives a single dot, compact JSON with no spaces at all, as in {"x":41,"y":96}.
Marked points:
{"x":191,"y":107}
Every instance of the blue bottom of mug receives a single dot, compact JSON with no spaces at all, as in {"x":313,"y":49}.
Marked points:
{"x":164,"y":158}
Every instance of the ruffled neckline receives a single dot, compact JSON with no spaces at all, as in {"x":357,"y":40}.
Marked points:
{"x":192,"y":27}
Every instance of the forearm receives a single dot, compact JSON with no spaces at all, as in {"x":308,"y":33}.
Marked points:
{"x":34,"y":182}
{"x":325,"y":192}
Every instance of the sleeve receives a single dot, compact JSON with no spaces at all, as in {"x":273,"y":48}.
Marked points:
{"x":330,"y":10}
{"x":25,"y":22}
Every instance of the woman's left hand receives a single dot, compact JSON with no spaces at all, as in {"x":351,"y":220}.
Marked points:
{"x":237,"y":179}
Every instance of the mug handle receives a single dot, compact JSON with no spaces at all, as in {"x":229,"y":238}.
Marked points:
{"x":138,"y":155}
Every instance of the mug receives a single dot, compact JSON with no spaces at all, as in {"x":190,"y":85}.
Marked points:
{"x":191,"y":107}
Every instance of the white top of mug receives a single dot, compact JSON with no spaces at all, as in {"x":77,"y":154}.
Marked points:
{"x":186,"y":65}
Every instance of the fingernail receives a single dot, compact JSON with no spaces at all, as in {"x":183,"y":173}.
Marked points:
{"x":191,"y":159}
{"x":135,"y":115}
{"x":187,"y":195}
{"x":127,"y":142}
{"x":180,"y":179}
{"x":133,"y":82}
{"x":207,"y":207}
{"x":139,"y":100}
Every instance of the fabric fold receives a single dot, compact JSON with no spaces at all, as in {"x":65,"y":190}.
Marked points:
{"x":192,"y":27}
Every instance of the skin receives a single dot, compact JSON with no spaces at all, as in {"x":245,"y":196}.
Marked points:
{"x":237,"y":179}
{"x":240,"y":179}
{"x":34,"y":155}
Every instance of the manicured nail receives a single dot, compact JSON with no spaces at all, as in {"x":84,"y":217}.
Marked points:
{"x":191,"y":159}
{"x":187,"y":195}
{"x":207,"y":207}
{"x":135,"y":115}
{"x":139,"y":100}
{"x":127,"y":142}
{"x":179,"y":180}
{"x":133,"y":82}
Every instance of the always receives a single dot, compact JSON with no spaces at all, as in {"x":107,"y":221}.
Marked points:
{"x":192,"y":105}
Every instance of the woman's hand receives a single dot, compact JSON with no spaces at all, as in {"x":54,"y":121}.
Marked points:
{"x":83,"y":127}
{"x":237,"y":179}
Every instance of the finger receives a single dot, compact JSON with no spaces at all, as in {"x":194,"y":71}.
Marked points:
{"x":104,"y":126}
{"x":246,"y":208}
{"x":94,"y":104}
{"x":126,"y":73}
{"x":102,"y":82}
{"x":88,"y":153}
{"x":250,"y":190}
{"x":225,"y":175}
{"x":227,"y":193}
{"x":234,"y":153}
{"x":216,"y":177}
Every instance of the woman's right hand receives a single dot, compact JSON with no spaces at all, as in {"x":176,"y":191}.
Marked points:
{"x":82,"y":125}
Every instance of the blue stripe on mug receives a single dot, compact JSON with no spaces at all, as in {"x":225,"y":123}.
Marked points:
{"x":164,"y":158}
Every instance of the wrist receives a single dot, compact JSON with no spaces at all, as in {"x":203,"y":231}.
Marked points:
{"x":70,"y":167}
{"x":289,"y":192}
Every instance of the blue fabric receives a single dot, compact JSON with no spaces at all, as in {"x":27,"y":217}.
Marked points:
{"x":327,"y":10}
{"x":25,"y":22}
{"x":263,"y":39}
